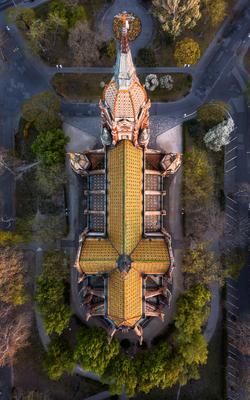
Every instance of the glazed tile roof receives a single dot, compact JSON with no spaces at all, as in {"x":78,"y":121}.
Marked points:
{"x":125,"y":196}
{"x":125,"y":297}
{"x":149,"y":256}
{"x":97,"y":256}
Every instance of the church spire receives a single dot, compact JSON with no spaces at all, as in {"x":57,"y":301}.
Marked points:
{"x":124,"y":68}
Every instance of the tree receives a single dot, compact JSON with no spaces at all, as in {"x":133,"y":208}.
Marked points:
{"x":111,"y":48}
{"x":8,"y":162}
{"x":43,"y":110}
{"x":8,"y":238}
{"x":22,"y":16}
{"x":242,"y":337}
{"x":177,"y":15}
{"x":212,"y":113}
{"x":191,"y":314}
{"x":198,"y":179}
{"x":219,"y":136}
{"x":121,"y":372}
{"x":14,"y":332}
{"x":83,"y":45}
{"x":235,"y":260}
{"x":202,"y":266}
{"x":58,"y":359}
{"x":187,"y":51}
{"x":216,"y":10}
{"x":50,"y":292}
{"x":51,"y":179}
{"x":49,"y":147}
{"x":48,"y":228}
{"x":93,"y":351}
{"x":12,"y":280}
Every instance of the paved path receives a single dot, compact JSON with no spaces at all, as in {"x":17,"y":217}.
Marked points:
{"x":110,"y":70}
{"x":147,"y":33}
{"x":99,"y":396}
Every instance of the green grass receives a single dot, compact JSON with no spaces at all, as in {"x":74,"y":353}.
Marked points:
{"x":182,"y":86}
{"x":86,"y":87}
{"x":82,"y":87}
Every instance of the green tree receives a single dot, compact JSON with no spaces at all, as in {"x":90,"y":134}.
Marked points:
{"x":58,"y":359}
{"x":8,"y":238}
{"x":198,"y":179}
{"x":216,"y":10}
{"x":22,"y":16}
{"x":187,"y":51}
{"x":93,"y":351}
{"x":50,"y":292}
{"x":202,"y":266}
{"x":191,"y":314}
{"x":12,"y":276}
{"x":48,"y":228}
{"x":153,"y":369}
{"x":212,"y":113}
{"x":111,"y":48}
{"x":235,"y":261}
{"x":43,"y":110}
{"x":49,"y":147}
{"x":50,"y":180}
{"x":121,"y":372}
{"x":177,"y":15}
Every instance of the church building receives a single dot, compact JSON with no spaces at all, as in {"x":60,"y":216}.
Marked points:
{"x":125,"y":259}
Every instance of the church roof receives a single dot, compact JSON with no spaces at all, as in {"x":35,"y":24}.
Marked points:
{"x":125,"y":164}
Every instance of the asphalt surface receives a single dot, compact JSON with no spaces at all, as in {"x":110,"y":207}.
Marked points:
{"x":217,"y":75}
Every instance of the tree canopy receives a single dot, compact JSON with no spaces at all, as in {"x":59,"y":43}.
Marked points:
{"x":49,"y":147}
{"x":212,"y":113}
{"x":198,"y":178}
{"x":177,"y":15}
{"x":202,"y":266}
{"x":50,"y":292}
{"x":216,"y":10}
{"x":84,"y":50}
{"x":219,"y":135}
{"x":12,"y":276}
{"x":58,"y":359}
{"x":187,"y":51}
{"x":50,"y":179}
{"x":43,"y":110}
{"x":93,"y":351}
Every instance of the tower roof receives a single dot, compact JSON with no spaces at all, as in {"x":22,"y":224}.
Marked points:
{"x":124,"y":94}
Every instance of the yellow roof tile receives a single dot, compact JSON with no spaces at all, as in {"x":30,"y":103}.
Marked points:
{"x":125,"y":196}
{"x":151,"y":256}
{"x":97,"y":256}
{"x":125,"y":297}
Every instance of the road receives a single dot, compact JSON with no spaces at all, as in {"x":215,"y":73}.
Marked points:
{"x":217,"y":75}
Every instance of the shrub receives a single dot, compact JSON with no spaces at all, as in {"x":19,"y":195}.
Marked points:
{"x":187,"y":51}
{"x":49,"y":147}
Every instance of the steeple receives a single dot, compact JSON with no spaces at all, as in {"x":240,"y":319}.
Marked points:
{"x":124,"y":68}
{"x":124,"y":103}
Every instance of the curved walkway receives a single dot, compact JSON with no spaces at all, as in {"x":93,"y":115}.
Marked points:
{"x":147,"y":33}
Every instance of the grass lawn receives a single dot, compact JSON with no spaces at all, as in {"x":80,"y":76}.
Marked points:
{"x":82,"y":87}
{"x":247,"y":61}
{"x":86,"y":87}
{"x":182,"y":86}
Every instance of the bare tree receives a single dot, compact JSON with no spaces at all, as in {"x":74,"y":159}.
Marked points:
{"x":12,"y":282}
{"x":83,"y":44}
{"x":14,"y":333}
